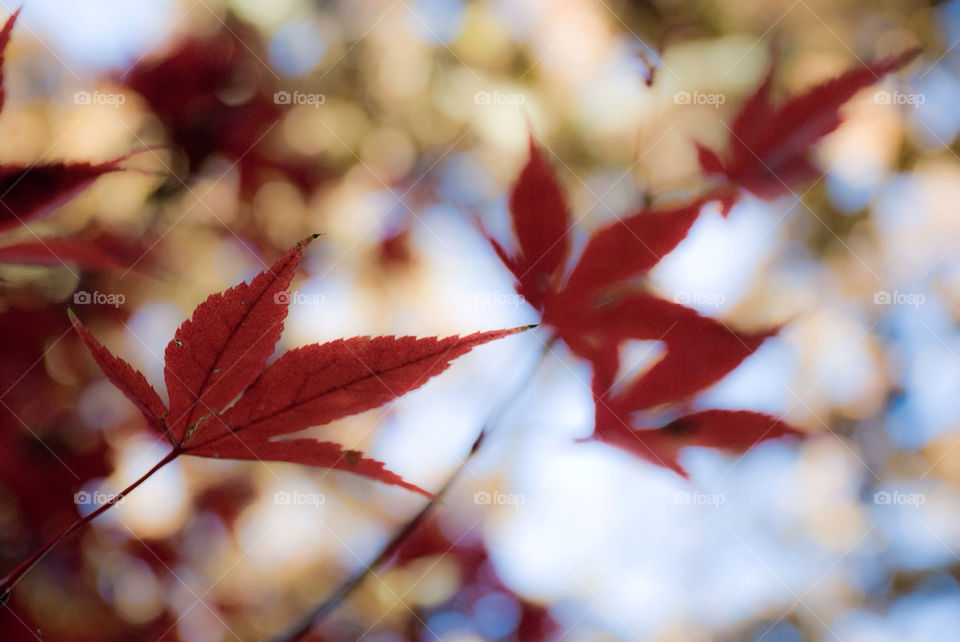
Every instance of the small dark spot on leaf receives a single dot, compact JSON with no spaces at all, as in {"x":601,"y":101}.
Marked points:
{"x":679,"y":428}
{"x":353,"y":457}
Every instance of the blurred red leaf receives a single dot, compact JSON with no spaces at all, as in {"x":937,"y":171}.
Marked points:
{"x":31,"y":192}
{"x":631,"y":246}
{"x":214,"y":93}
{"x":104,"y":251}
{"x":700,"y":350}
{"x":4,"y":39}
{"x":28,"y":193}
{"x":731,"y":430}
{"x":541,"y":220}
{"x":769,"y":147}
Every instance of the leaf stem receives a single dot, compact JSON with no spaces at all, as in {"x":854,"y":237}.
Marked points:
{"x":303,"y":626}
{"x":7,"y":583}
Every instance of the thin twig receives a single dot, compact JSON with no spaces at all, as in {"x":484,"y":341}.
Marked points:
{"x":8,"y":582}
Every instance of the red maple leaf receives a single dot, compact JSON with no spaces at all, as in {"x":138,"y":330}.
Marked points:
{"x":541,"y":220}
{"x":631,"y":246}
{"x":599,"y":308}
{"x":221,"y":352}
{"x":33,"y":191}
{"x":769,"y":147}
{"x":102,"y":251}
{"x":733,"y":430}
{"x":215,"y":96}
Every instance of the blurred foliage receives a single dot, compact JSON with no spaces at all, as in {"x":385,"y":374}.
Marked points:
{"x":404,"y":121}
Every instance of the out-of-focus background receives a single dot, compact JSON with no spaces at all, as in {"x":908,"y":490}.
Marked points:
{"x":388,"y":126}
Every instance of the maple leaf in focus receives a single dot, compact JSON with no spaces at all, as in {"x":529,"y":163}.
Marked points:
{"x":598,"y":308}
{"x":769,"y":147}
{"x":221,"y":352}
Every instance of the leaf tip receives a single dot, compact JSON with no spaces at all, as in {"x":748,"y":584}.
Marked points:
{"x":519,"y":329}
{"x":709,"y":160}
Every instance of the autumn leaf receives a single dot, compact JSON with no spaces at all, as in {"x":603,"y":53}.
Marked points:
{"x":4,"y":39}
{"x":103,"y":251}
{"x":601,"y":307}
{"x":189,"y":87}
{"x":630,"y":247}
{"x":30,"y":192}
{"x":538,"y":210}
{"x":700,"y":350}
{"x":225,"y":402}
{"x":127,"y":380}
{"x":730,"y":430}
{"x":319,"y":383}
{"x":218,"y":352}
{"x":770,"y":146}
